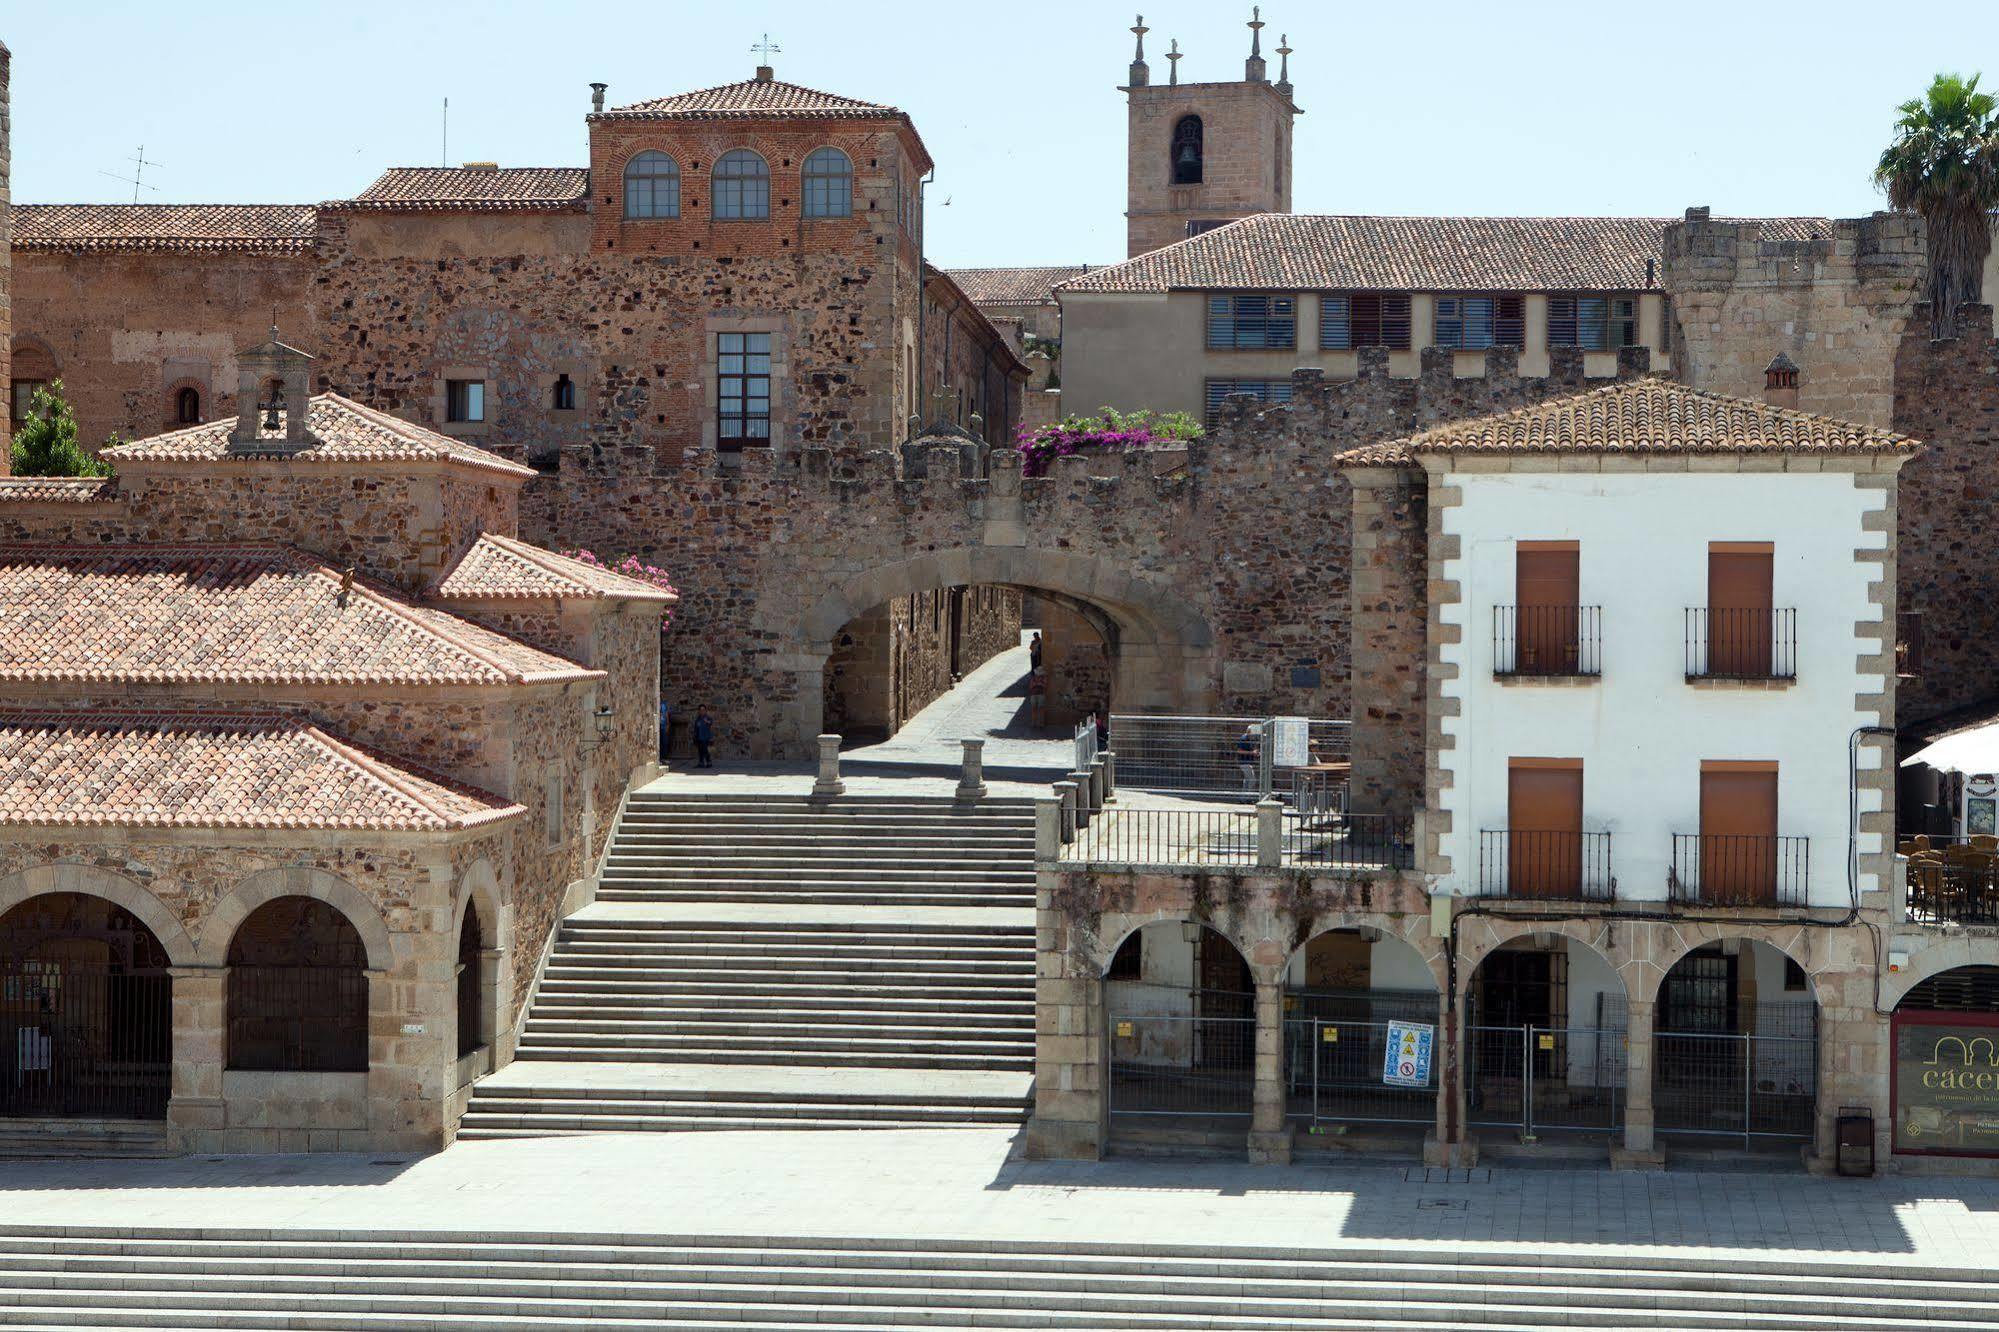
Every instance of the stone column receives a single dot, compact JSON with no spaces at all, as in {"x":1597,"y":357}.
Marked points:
{"x":1081,"y":781}
{"x":1047,"y":828}
{"x":1269,"y":833}
{"x":829,"y":783}
{"x":1269,"y":1135}
{"x":196,"y":1113}
{"x":1069,"y":1105}
{"x":1640,"y":1150}
{"x":1066,"y":793}
{"x":972,"y":771}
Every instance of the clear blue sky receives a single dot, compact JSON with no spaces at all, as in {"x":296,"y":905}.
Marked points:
{"x":1443,"y":107}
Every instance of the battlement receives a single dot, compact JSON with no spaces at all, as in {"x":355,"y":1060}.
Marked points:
{"x":1702,"y":251}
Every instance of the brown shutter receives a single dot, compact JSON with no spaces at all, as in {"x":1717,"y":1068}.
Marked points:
{"x":1547,"y":577}
{"x":1739,"y":833}
{"x":1738,"y":607}
{"x":1544,"y":827}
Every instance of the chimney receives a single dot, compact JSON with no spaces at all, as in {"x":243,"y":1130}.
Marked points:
{"x":765,"y":74}
{"x":271,"y":378}
{"x":1699,"y":213}
{"x":597,"y":98}
{"x":1780,"y":382}
{"x":1651,"y":273}
{"x":1140,"y":74}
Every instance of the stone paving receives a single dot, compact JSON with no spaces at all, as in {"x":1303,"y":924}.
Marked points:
{"x":968,"y":1183}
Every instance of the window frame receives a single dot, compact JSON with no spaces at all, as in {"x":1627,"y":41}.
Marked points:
{"x":738,"y":343}
{"x":735,"y":196}
{"x":1216,"y":391}
{"x":1270,"y":321}
{"x":1396,"y":336}
{"x":181,"y":417}
{"x":21,"y":398}
{"x":1573,"y":322}
{"x":630,"y":176}
{"x":460,"y":407}
{"x":820,"y":188}
{"x":1505,"y":312}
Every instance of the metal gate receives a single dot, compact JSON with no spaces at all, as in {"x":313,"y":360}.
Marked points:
{"x":1223,"y":758}
{"x":84,"y":1042}
{"x":1537,"y":1079}
{"x":1333,"y":1075}
{"x":1739,"y":1086}
{"x":1181,"y":1065}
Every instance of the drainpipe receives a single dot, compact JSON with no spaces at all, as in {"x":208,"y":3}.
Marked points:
{"x":917,"y":388}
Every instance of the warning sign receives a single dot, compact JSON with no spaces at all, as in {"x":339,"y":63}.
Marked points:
{"x":1124,"y":1029}
{"x":1406,"y":1058}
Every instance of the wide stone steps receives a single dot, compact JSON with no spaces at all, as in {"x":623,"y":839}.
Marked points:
{"x":809,"y":894}
{"x":964,"y":1051}
{"x":426,"y":1282}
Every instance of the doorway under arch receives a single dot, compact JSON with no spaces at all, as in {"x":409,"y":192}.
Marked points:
{"x":1944,"y":1065}
{"x":1545,"y":1039}
{"x":1180,"y":1010}
{"x":1735,"y":1046}
{"x":86,"y":1012}
{"x":1344,"y":990}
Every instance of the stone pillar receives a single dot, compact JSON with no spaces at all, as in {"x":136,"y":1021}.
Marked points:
{"x":1066,"y":793}
{"x":1447,"y":1143}
{"x":829,"y":783}
{"x":1269,"y":833}
{"x":972,"y":771}
{"x":1047,"y":828}
{"x":1081,"y":781}
{"x":1109,"y":759}
{"x":1069,"y":1106}
{"x":196,"y":1115}
{"x":1269,"y":1135}
{"x":1640,"y":1150}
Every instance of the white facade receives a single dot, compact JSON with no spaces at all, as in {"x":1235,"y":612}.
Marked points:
{"x":1642,"y":730}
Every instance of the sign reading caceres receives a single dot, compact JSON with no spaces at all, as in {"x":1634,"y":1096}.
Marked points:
{"x":1947,"y":1084}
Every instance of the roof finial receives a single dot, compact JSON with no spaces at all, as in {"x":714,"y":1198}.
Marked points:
{"x":1284,"y":63}
{"x":1140,"y":73}
{"x":1173,"y":63}
{"x":1253,"y":69}
{"x":766,"y":48}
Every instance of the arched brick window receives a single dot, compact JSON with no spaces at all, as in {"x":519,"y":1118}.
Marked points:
{"x":187,"y":406}
{"x":652,"y":186}
{"x":829,"y":184}
{"x":298,"y":990}
{"x":741,"y":186}
{"x":1186,"y":155}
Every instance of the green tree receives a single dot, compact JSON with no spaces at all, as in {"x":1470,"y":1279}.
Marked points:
{"x":46,"y":445}
{"x":1944,"y":163}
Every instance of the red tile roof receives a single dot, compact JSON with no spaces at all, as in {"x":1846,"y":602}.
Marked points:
{"x":751,"y":98}
{"x":1648,"y":415}
{"x":217,"y":770}
{"x":57,"y":489}
{"x":474,"y":189}
{"x":341,"y":431}
{"x":237,"y":615}
{"x":501,"y":568}
{"x":269,"y":228}
{"x":1308,"y":252}
{"x":1015,"y":286}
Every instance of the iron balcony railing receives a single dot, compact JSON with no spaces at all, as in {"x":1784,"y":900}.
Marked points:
{"x":1367,"y":843}
{"x":1545,"y":866}
{"x":1946,"y":893}
{"x":1547,"y":641}
{"x":1740,"y":869}
{"x":1728,"y":644}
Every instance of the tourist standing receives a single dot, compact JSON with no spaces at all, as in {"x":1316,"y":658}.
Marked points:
{"x":1246,"y":747}
{"x":665,"y":727}
{"x":704,"y":736}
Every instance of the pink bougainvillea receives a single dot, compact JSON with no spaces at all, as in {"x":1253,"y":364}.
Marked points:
{"x":1111,"y":432}
{"x":635,"y":568}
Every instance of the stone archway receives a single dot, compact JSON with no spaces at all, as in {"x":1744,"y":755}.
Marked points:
{"x":296,"y":881}
{"x":1164,"y":651}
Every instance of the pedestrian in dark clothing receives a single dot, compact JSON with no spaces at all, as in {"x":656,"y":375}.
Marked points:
{"x":1248,"y":757}
{"x":1034,"y":653}
{"x":704,"y":736}
{"x":665,"y":727}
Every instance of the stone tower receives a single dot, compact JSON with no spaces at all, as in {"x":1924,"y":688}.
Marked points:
{"x":6,"y":250}
{"x":1201,"y":154}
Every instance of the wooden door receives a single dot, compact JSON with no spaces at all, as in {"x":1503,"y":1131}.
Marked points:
{"x":1739,"y":608}
{"x":1739,"y":833}
{"x":1544,"y":819}
{"x":1547,"y":582}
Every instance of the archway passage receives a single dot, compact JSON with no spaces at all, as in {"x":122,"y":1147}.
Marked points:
{"x":1735,"y":1046}
{"x":86,"y":1012}
{"x":1944,"y":1071}
{"x":298,"y":990}
{"x":896,"y":659}
{"x":1349,"y":995}
{"x":1545,"y":1039}
{"x":1180,"y":1006}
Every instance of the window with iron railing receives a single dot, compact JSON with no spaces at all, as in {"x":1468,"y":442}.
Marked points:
{"x":1472,"y":323}
{"x":1252,"y":323}
{"x":1349,"y":320}
{"x":1219,"y":391}
{"x":1740,"y":870}
{"x":1594,"y":323}
{"x":1543,"y":865}
{"x":1741,"y":643}
{"x":1552,"y":641}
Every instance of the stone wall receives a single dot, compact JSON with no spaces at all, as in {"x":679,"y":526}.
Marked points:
{"x":1389,"y":637}
{"x":1246,"y":159}
{"x":6,"y":245}
{"x":1947,"y":395}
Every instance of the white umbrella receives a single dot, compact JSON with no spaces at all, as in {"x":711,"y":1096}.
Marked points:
{"x":1975,"y":750}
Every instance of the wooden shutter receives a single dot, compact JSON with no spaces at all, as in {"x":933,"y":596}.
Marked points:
{"x":1544,"y":819}
{"x":1738,"y":607}
{"x":1739,"y":833}
{"x":1546,"y":592}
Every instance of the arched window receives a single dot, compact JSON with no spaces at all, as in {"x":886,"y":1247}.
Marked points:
{"x":563,"y":394}
{"x":1187,"y":151}
{"x":187,"y":406}
{"x":471,"y":984}
{"x":652,"y":186}
{"x":742,"y":186}
{"x":829,"y":184}
{"x":298,"y":990}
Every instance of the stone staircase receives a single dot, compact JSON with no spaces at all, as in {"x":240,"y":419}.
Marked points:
{"x":786,"y":963}
{"x":428,"y":1281}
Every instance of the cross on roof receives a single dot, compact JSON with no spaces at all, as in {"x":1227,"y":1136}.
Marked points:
{"x":766,"y":47}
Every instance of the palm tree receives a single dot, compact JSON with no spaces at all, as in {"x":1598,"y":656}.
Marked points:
{"x":1944,"y":163}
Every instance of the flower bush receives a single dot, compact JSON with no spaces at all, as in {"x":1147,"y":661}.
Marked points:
{"x":633,"y":567}
{"x":1111,"y":431}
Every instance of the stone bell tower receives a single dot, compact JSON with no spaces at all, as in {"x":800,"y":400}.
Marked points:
{"x":1201,"y":154}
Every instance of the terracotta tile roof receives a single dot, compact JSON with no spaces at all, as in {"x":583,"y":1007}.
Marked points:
{"x":57,"y":489}
{"x":1304,"y":252}
{"x":751,"y":98}
{"x":1015,"y":286}
{"x":217,"y":770}
{"x":239,"y":615}
{"x":274,"y":228}
{"x":1648,"y":415}
{"x":501,"y":568}
{"x":342,"y":431}
{"x":473,"y":189}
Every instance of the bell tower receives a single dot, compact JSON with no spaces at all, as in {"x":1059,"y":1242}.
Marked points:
{"x":1201,"y":154}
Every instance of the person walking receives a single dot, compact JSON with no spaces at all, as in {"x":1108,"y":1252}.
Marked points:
{"x":1034,"y":652}
{"x":704,"y":736}
{"x":665,"y":728}
{"x":1246,"y":747}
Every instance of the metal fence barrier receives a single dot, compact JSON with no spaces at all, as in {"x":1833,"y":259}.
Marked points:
{"x":1536,"y":1079}
{"x":1137,"y":836}
{"x":1181,"y":1064}
{"x":1219,"y":757}
{"x":1332,"y":1074}
{"x":1086,"y":743}
{"x":84,"y":1042}
{"x":1363,"y":842}
{"x":1739,"y":1086}
{"x":285,"y":1018}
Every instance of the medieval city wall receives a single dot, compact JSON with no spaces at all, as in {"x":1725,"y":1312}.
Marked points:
{"x":6,"y":242}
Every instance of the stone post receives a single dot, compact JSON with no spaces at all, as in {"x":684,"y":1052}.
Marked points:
{"x":1047,"y":828}
{"x":1269,"y":1136}
{"x":1081,"y":781}
{"x":195,"y":1109}
{"x":1066,"y":793}
{"x":1097,"y":784}
{"x":1269,"y":833}
{"x":1109,"y":760}
{"x":972,"y":771}
{"x":1640,"y":1150}
{"x":829,"y":783}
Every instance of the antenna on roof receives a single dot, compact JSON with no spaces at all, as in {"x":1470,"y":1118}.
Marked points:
{"x":135,"y":180}
{"x":444,"y":136}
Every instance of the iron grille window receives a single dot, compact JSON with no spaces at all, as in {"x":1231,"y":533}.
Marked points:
{"x":1594,"y":323}
{"x":465,"y":400}
{"x":1263,"y":390}
{"x":1363,"y":319}
{"x":1250,"y":323}
{"x":741,"y":186}
{"x":829,"y":184}
{"x":742,"y":364}
{"x":652,"y":186}
{"x":1472,"y":323}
